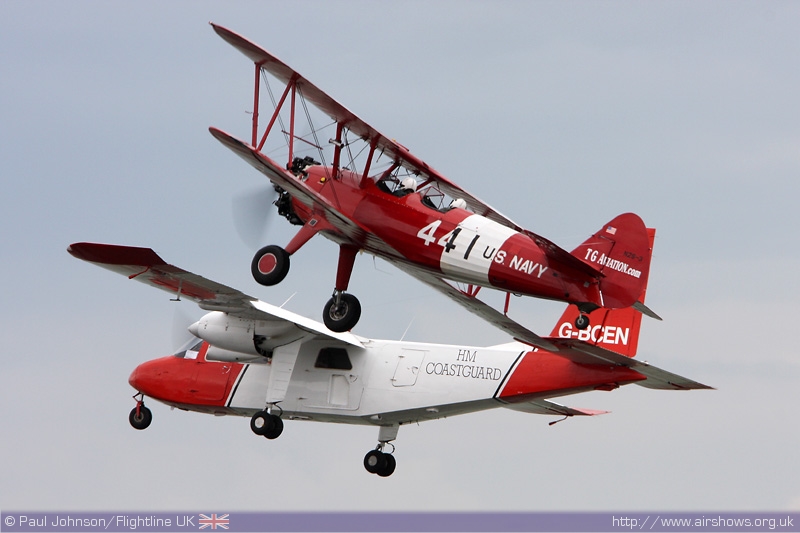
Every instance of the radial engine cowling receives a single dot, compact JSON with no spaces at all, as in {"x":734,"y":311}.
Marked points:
{"x":236,"y":334}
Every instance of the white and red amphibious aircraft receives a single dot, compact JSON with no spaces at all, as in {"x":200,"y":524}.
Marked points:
{"x":369,"y":193}
{"x":250,"y":358}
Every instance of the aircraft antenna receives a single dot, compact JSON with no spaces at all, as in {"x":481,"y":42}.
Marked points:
{"x":407,"y":328}
{"x":287,"y":300}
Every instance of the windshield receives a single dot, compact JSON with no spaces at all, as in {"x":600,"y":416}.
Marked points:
{"x":190,"y":349}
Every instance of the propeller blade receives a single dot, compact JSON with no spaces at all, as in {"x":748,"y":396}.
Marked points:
{"x":251,"y":212}
{"x":181,"y":320}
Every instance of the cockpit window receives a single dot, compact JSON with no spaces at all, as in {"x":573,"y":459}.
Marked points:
{"x":436,"y":199}
{"x":333,"y":358}
{"x":190,"y":349}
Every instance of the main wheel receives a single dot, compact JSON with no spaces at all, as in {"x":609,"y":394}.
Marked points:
{"x":375,"y":461}
{"x":582,"y":322}
{"x":275,"y":429}
{"x":388,"y":470}
{"x":261,"y":423}
{"x":270,"y":265}
{"x":142,"y":419}
{"x":344,"y":317}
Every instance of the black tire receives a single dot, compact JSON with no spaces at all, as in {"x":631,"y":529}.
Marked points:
{"x":261,"y":423}
{"x":270,"y":265}
{"x":345,"y":317}
{"x":142,"y":420}
{"x":374,"y":461}
{"x":275,"y":429}
{"x":388,"y":470}
{"x":582,"y":322}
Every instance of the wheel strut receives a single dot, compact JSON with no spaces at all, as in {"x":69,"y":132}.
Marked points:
{"x":140,"y":416}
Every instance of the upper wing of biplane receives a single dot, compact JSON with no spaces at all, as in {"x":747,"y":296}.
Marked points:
{"x":144,"y":265}
{"x":377,"y":143}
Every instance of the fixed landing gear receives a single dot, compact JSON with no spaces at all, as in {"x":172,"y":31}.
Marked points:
{"x":377,"y":461}
{"x":140,"y":416}
{"x":270,"y":265}
{"x":381,"y":463}
{"x":266,"y":425}
{"x":342,"y":312}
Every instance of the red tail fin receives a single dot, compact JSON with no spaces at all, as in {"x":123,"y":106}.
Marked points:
{"x":621,"y":251}
{"x":614,"y":329}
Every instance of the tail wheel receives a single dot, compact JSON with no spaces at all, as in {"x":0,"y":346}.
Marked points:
{"x":270,"y":265}
{"x":582,"y":322}
{"x":140,"y":417}
{"x":343,"y":317}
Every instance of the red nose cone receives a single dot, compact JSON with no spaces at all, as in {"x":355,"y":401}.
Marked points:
{"x":147,"y":378}
{"x":133,"y":380}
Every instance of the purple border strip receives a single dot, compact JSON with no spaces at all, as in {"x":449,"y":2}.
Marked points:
{"x":433,"y":522}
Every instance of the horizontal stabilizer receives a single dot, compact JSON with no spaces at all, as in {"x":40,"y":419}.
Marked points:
{"x":588,"y":354}
{"x":639,"y":306}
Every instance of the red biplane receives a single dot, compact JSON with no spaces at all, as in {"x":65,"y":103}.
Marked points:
{"x":367,"y":192}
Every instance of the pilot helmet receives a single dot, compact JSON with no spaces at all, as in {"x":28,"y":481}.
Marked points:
{"x":409,"y":183}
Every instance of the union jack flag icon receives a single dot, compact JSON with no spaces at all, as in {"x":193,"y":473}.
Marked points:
{"x":214,"y":521}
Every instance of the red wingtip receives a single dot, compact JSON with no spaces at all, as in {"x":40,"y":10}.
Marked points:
{"x":111,"y":254}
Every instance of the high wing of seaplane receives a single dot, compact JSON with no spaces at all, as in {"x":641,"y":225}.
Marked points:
{"x":250,"y":358}
{"x":367,"y":192}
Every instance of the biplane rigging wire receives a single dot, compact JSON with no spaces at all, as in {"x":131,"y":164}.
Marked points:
{"x":274,"y":104}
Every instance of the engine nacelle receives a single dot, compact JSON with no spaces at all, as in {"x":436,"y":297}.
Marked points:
{"x":230,"y":333}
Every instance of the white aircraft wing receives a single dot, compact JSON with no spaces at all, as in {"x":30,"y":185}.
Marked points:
{"x":144,"y":265}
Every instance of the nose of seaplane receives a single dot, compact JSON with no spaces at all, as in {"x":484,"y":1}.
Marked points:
{"x":148,"y":378}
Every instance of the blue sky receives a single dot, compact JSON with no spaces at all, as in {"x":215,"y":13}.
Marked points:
{"x":559,"y":114}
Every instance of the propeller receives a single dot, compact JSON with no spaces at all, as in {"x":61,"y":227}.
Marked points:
{"x":251,"y":213}
{"x":181,"y":320}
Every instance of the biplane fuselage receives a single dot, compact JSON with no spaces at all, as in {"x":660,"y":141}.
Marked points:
{"x":451,"y":242}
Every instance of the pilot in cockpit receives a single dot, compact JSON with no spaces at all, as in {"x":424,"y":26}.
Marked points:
{"x":407,"y":186}
{"x":458,"y":203}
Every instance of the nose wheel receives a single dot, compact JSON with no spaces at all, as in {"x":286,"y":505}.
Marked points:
{"x":141,"y":416}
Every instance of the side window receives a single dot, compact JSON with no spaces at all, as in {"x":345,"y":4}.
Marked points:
{"x":333,"y":358}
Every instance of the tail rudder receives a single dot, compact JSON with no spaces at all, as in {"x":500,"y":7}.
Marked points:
{"x":615,"y":329}
{"x":621,"y":250}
